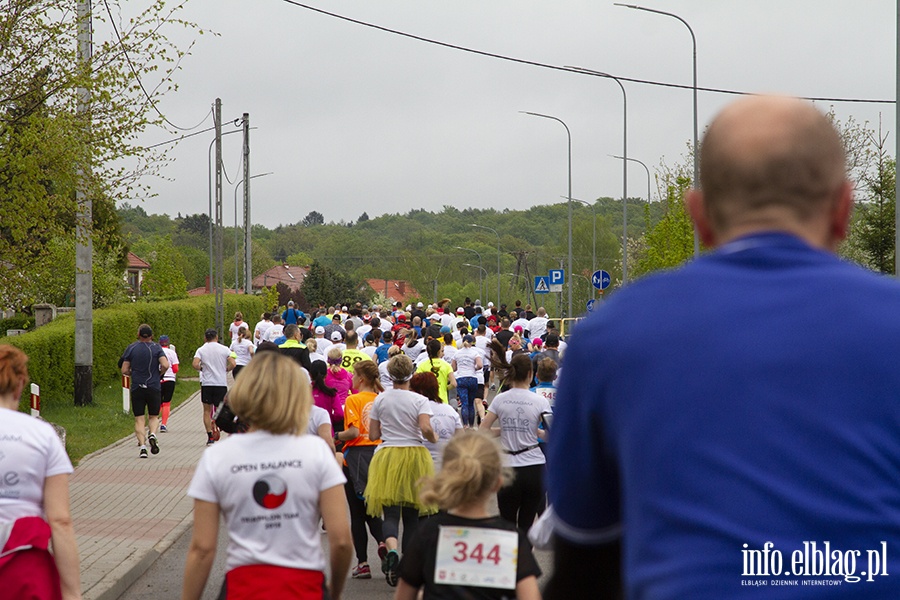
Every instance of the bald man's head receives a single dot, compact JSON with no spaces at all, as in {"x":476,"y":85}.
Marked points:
{"x":766,"y":158}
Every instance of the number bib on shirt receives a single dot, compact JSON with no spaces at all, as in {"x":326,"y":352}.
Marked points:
{"x":476,"y":557}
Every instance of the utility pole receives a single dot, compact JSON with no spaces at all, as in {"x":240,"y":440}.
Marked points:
{"x":220,"y":278}
{"x":248,"y":257}
{"x":84,"y":289}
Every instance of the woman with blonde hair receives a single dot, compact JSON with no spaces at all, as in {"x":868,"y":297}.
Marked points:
{"x":34,"y":506}
{"x":402,"y":420}
{"x":465,"y":535}
{"x":271,"y":484}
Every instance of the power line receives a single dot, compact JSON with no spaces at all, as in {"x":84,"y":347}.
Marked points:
{"x":558,"y":68}
{"x":137,"y":78}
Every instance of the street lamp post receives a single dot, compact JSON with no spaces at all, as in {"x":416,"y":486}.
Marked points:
{"x":624,"y":166}
{"x":640,"y":163}
{"x":569,"y":134}
{"x":480,"y":269}
{"x":694,"y":42}
{"x":480,"y":280}
{"x":236,"y":237}
{"x":594,"y":238}
{"x":498,"y":256}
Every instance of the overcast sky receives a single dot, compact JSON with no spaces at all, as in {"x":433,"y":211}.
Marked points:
{"x":351,"y":119}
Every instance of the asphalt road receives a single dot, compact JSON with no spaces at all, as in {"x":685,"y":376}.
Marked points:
{"x":163,"y":579}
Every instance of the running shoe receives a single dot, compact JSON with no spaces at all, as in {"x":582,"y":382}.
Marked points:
{"x":382,"y":551}
{"x":361,"y":571}
{"x":390,"y":565}
{"x":143,"y":453}
{"x":209,"y":439}
{"x":162,"y":429}
{"x":154,"y":444}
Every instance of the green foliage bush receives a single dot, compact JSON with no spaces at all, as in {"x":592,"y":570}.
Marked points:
{"x":51,"y":348}
{"x":16,"y":322}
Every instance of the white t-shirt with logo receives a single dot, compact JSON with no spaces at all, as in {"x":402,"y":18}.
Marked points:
{"x":519,"y":414}
{"x":31,"y":452}
{"x":398,"y":413}
{"x":275,"y":332}
{"x":267,"y":487}
{"x":214,"y":360}
{"x":445,"y":421}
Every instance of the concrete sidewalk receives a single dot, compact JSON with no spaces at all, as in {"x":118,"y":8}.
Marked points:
{"x":128,"y":510}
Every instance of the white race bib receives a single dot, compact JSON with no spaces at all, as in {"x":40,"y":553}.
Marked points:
{"x":476,"y":557}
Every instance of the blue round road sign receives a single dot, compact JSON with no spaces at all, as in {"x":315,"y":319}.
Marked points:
{"x":600,"y":279}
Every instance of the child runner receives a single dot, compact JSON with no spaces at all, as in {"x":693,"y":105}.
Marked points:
{"x":465,"y":534}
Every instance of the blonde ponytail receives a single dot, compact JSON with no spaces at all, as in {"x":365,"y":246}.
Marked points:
{"x":471,"y":469}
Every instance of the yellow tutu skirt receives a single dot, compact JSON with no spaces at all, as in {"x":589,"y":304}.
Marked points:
{"x":394,"y":476}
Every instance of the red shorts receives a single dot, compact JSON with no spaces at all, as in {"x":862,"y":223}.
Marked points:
{"x":268,"y":581}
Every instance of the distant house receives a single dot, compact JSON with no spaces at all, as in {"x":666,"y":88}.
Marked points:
{"x":395,"y":290}
{"x":134,"y":273}
{"x":290,"y":276}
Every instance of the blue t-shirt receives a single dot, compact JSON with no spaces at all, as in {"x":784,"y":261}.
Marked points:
{"x":322,"y":321}
{"x":752,"y":396}
{"x":381,"y":353}
{"x":292,"y":316}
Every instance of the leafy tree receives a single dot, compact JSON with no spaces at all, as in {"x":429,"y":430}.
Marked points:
{"x":197,"y":224}
{"x":323,"y":284}
{"x":43,"y":142}
{"x":670,"y":242}
{"x":363,"y":218}
{"x":313,"y":218}
{"x":165,"y":278}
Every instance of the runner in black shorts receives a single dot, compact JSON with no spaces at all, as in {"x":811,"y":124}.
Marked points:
{"x":213,"y":360}
{"x":213,"y":394}
{"x":145,"y":362}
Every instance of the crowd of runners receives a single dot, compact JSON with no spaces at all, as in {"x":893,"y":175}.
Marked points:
{"x":390,"y":387}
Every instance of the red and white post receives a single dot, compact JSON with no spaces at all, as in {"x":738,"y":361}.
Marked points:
{"x":126,"y":394}
{"x":35,"y":400}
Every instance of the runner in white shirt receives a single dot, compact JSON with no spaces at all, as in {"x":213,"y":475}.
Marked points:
{"x":213,"y":361}
{"x":276,"y":330}
{"x":260,"y":332}
{"x":537,"y":326}
{"x":272,"y":486}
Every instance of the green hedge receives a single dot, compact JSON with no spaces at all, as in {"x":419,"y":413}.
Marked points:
{"x":51,"y":348}
{"x":17,"y":322}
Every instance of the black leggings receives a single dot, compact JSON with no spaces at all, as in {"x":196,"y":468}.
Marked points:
{"x":521,"y":501}
{"x":391,"y":526}
{"x":358,"y":521}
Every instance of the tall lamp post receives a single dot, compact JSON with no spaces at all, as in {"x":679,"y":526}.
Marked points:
{"x":569,"y":134}
{"x":480,"y":280}
{"x":624,"y":166}
{"x":236,"y":228}
{"x":594,"y":238}
{"x":640,"y":163}
{"x":694,"y":42}
{"x":480,"y":269}
{"x":498,"y":255}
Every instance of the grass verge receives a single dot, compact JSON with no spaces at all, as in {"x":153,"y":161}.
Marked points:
{"x":90,"y":428}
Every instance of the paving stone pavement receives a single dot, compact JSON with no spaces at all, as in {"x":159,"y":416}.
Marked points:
{"x":128,"y":510}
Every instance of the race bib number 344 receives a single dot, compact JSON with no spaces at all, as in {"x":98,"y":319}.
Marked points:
{"x":476,"y":557}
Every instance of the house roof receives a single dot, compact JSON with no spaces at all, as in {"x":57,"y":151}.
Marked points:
{"x":395,"y":290}
{"x":290,"y":276}
{"x":136,"y":262}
